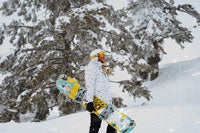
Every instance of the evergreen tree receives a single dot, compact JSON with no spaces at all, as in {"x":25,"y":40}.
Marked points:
{"x":42,"y":53}
{"x":148,"y":23}
{"x":60,"y":42}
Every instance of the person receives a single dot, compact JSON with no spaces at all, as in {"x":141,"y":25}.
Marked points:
{"x":97,"y":84}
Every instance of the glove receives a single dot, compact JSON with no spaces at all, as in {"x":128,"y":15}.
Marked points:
{"x":90,"y":107}
{"x":108,"y":71}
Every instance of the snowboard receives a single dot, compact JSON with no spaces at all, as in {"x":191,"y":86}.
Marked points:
{"x":107,"y":112}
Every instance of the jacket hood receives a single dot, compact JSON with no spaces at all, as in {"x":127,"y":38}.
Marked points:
{"x":94,"y":54}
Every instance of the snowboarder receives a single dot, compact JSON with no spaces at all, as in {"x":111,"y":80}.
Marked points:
{"x":97,"y":83}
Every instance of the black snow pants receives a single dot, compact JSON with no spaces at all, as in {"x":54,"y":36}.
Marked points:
{"x":96,"y":124}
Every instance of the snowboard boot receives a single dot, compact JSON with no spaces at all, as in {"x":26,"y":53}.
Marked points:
{"x":95,"y":123}
{"x":110,"y":129}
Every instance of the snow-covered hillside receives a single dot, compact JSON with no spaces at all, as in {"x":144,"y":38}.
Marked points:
{"x":178,"y":84}
{"x":175,"y":107}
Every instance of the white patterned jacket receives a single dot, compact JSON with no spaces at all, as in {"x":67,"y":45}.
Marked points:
{"x":97,"y":82}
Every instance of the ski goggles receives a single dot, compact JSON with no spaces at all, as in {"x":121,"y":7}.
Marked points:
{"x":100,"y":54}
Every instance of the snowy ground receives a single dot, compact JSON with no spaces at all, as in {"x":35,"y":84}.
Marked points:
{"x":175,"y":107}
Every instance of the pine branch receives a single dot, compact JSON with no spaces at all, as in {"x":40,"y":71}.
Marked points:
{"x":114,"y":81}
{"x":31,"y":27}
{"x":55,"y":59}
{"x":189,"y":10}
{"x":57,"y":104}
{"x":186,"y":8}
{"x":20,"y":26}
{"x":116,"y":34}
{"x":40,"y":48}
{"x":32,"y":49}
{"x":78,"y":48}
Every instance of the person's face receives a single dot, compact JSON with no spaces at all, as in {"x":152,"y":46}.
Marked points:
{"x":102,"y":59}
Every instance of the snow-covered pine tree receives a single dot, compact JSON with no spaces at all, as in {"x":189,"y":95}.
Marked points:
{"x":60,"y":42}
{"x":145,"y":24}
{"x":42,"y":53}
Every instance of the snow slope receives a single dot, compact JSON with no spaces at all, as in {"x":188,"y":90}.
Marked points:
{"x":179,"y":84}
{"x":175,"y":107}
